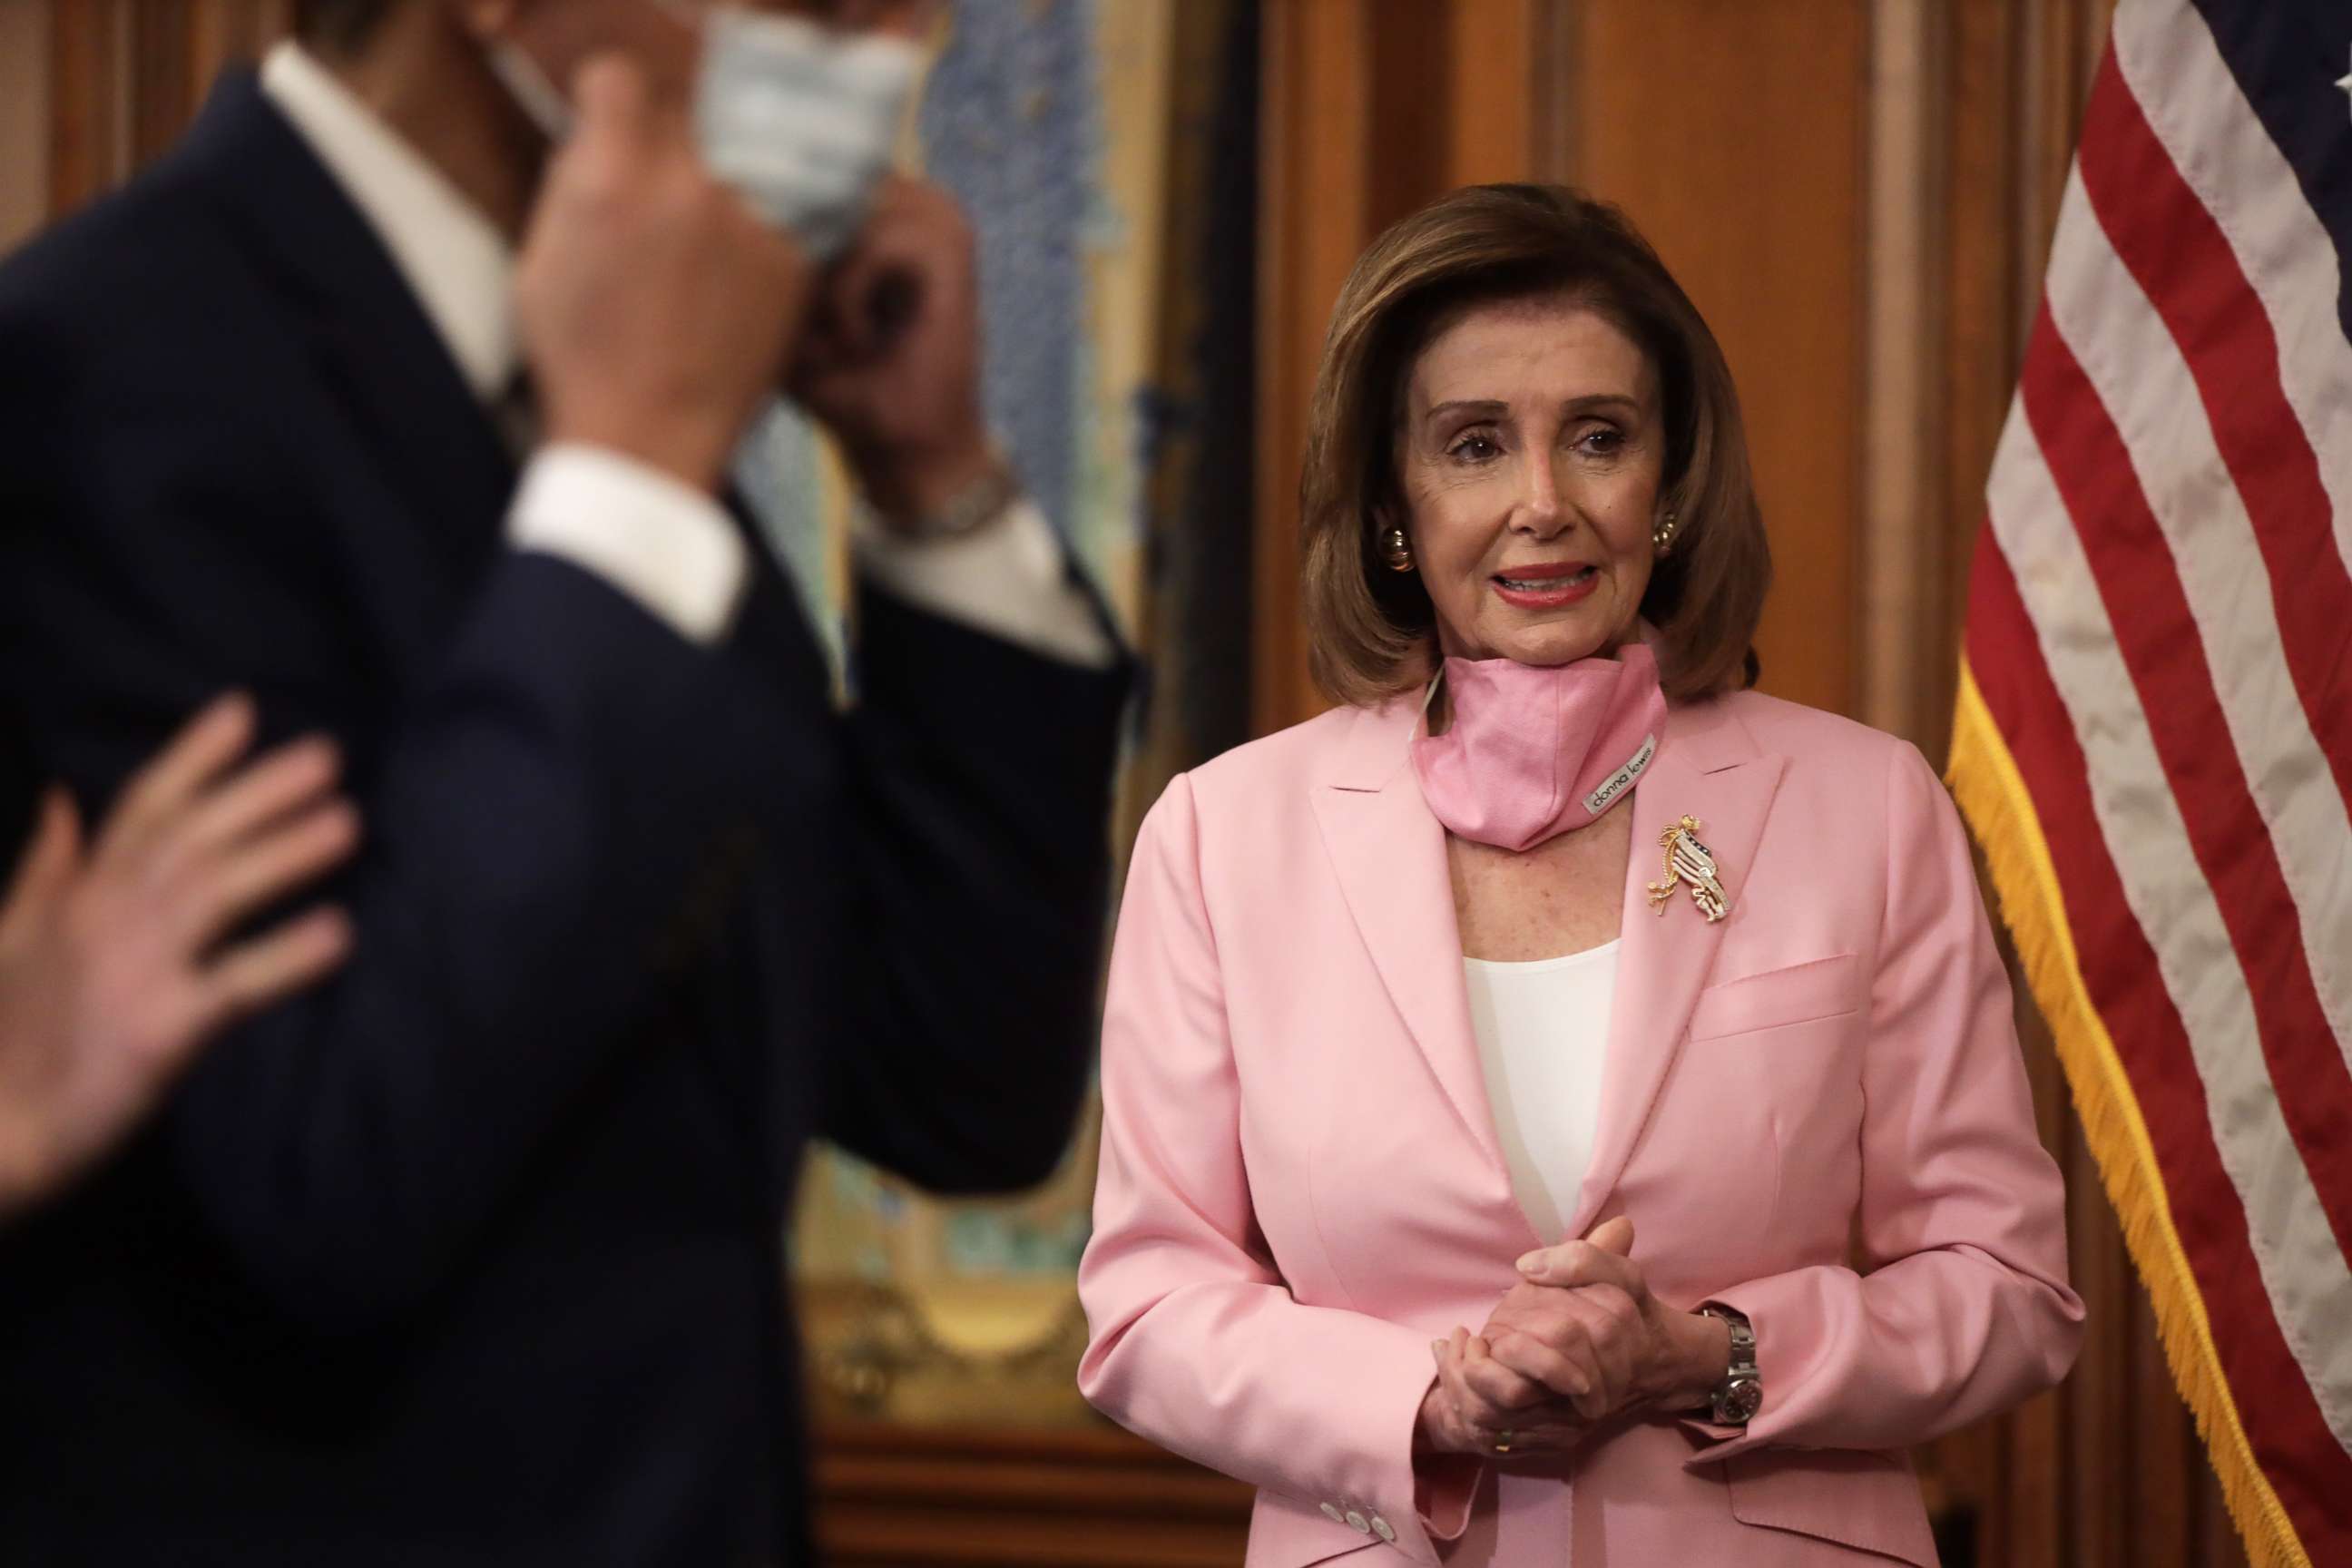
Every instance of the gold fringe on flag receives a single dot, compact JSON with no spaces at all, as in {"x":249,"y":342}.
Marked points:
{"x":1992,"y":796}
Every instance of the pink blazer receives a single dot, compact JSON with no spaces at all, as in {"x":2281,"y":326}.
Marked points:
{"x":1814,"y":1112}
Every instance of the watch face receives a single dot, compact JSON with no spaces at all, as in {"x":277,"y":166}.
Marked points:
{"x":1741,"y":1401}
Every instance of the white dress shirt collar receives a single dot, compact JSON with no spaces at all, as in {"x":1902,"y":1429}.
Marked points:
{"x":456,"y":261}
{"x":668,"y":545}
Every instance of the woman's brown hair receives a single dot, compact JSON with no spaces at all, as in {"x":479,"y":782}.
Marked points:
{"x":1371,"y":631}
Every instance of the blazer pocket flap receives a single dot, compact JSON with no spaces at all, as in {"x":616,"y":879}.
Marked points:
{"x":1867,"y":1500}
{"x":1820,"y":988}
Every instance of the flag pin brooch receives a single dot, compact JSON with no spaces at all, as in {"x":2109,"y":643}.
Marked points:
{"x":1690,"y":864}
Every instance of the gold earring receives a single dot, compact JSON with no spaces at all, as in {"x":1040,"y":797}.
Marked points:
{"x":1662,"y":537}
{"x":1396,"y":549}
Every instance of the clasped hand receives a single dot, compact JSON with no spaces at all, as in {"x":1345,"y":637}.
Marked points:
{"x":1580,"y":1339}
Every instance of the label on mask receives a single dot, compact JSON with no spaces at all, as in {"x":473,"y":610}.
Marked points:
{"x":1617,"y":783}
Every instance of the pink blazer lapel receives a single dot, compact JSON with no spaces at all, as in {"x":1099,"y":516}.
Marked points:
{"x":1709,"y":769}
{"x":1390,"y":854}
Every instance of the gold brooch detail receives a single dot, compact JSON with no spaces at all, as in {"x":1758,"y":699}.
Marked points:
{"x":1692,"y":865}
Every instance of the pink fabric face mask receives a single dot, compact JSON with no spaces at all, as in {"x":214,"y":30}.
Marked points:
{"x":1535,"y":751}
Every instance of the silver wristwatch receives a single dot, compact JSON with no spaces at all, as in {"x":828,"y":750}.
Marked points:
{"x":1740,"y":1395}
{"x":973,"y":508}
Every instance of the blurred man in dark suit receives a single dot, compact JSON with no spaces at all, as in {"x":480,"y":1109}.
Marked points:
{"x":365,"y":401}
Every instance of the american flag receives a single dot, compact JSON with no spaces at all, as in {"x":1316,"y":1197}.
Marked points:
{"x":2154,"y":739}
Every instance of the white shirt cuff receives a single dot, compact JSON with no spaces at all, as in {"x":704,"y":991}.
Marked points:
{"x":1007,"y":578}
{"x":661,"y":541}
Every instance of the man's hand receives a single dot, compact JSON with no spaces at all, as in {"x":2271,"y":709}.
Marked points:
{"x":111,"y":972}
{"x":891,"y":361}
{"x":655,"y":310}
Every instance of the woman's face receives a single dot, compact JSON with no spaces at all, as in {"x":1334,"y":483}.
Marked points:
{"x":1531,"y":456}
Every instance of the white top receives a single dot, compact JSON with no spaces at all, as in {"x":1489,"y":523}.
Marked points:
{"x":666,"y":544}
{"x":1543,"y":1038}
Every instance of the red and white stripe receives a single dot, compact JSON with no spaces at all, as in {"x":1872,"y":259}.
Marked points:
{"x":2164,"y":637}
{"x":2180,"y":82}
{"x":2155,"y":871}
{"x":2144,"y":385}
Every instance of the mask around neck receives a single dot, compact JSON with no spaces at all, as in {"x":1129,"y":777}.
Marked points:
{"x":1536,"y":751}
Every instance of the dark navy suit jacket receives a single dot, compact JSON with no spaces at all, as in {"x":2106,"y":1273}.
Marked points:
{"x":474,"y":1253}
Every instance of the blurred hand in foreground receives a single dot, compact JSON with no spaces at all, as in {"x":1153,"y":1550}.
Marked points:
{"x":113,"y":968}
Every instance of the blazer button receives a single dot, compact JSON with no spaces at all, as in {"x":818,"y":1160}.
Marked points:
{"x":1384,"y":1530}
{"x":1331,"y":1512}
{"x":1356,"y":1523}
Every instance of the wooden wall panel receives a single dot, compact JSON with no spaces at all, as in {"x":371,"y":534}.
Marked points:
{"x":1370,"y":109}
{"x":124,"y":77}
{"x":1983,"y":289}
{"x":966,"y":1498}
{"x":1314,"y":208}
{"x":159,"y":42}
{"x":1492,"y":55}
{"x":1896,"y":528}
{"x":90,"y":109}
{"x":1733,"y":137}
{"x":23,"y":118}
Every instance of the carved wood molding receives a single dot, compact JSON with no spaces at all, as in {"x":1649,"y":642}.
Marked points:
{"x":967,"y":1498}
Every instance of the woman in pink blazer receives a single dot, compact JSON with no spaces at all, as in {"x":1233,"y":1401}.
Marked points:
{"x":1561,"y":1106}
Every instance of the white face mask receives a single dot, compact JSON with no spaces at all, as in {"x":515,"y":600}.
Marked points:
{"x":801,"y":119}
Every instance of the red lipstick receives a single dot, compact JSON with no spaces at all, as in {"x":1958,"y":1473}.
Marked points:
{"x":1546,"y":585}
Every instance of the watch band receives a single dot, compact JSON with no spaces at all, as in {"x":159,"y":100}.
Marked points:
{"x":1740,"y":1395}
{"x":973,"y":508}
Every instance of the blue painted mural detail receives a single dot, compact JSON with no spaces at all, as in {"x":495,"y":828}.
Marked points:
{"x":1010,"y":123}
